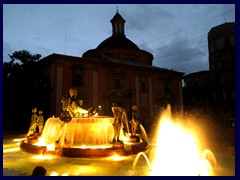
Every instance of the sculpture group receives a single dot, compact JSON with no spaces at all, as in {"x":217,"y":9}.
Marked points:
{"x":36,"y":124}
{"x":72,"y":107}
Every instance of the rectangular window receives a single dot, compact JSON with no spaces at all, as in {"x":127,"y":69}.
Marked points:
{"x":117,"y":83}
{"x":167,"y":88}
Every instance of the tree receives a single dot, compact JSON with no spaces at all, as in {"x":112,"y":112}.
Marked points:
{"x":21,"y":78}
{"x":25,"y":57}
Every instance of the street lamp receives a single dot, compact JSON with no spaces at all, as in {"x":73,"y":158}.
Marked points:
{"x":130,"y":93}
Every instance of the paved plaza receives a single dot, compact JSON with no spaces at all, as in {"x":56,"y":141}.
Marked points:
{"x":19,"y":163}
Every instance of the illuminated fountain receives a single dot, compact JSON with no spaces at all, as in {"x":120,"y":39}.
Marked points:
{"x":81,"y":137}
{"x":81,"y":133}
{"x":177,"y":151}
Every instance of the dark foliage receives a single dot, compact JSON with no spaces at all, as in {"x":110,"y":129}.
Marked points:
{"x":25,"y":87}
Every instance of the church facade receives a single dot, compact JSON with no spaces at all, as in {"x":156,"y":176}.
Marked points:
{"x":116,"y":71}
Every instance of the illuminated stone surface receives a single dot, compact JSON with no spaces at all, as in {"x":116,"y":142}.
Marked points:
{"x":19,"y":163}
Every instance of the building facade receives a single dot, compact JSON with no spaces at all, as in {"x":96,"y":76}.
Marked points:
{"x":116,"y":71}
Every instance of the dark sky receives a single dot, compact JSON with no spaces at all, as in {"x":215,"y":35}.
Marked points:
{"x":176,"y":35}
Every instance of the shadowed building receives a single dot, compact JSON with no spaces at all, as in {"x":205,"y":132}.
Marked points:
{"x":116,"y":71}
{"x":213,"y":91}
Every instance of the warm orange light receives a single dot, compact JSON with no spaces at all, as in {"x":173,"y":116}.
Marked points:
{"x":18,"y":140}
{"x":11,"y":149}
{"x":42,"y":157}
{"x":177,"y":151}
{"x":92,"y":147}
{"x":75,"y":171}
{"x":65,"y":174}
{"x":41,"y":142}
{"x":117,"y":157}
{"x":54,"y":174}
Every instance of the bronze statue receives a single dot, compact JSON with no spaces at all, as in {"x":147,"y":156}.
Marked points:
{"x":65,"y":115}
{"x":40,"y":121}
{"x":72,"y":106}
{"x":33,"y":123}
{"x":117,"y":113}
{"x":134,"y":121}
{"x":36,"y":121}
{"x":75,"y":107}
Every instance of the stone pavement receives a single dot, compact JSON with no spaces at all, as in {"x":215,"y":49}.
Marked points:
{"x":20,"y":163}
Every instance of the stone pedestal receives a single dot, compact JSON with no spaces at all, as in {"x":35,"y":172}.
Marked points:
{"x":119,"y":145}
{"x":134,"y":138}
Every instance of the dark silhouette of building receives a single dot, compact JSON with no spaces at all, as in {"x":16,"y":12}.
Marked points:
{"x":213,"y":91}
{"x":116,"y":71}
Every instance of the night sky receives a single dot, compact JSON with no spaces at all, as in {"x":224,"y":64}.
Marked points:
{"x":176,"y":34}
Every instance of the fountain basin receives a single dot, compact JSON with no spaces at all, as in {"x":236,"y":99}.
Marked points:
{"x":82,"y":137}
{"x":31,"y":148}
{"x":88,"y":152}
{"x":128,"y":149}
{"x":139,"y":147}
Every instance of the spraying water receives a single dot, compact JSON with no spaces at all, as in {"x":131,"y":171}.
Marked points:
{"x":136,"y":161}
{"x":177,"y":152}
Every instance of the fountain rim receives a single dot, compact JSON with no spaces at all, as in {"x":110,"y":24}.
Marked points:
{"x":85,"y":152}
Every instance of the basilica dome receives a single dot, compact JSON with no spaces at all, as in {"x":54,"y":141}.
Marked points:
{"x":119,"y":47}
{"x":117,"y":41}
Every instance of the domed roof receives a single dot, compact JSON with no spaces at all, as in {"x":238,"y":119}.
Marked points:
{"x":118,"y":46}
{"x":116,"y":41}
{"x":118,"y":38}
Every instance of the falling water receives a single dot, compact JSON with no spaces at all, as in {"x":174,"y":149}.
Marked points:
{"x":125,"y":121}
{"x":97,"y":131}
{"x":62,"y":138}
{"x":94,"y":131}
{"x":145,"y":137}
{"x":51,"y":131}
